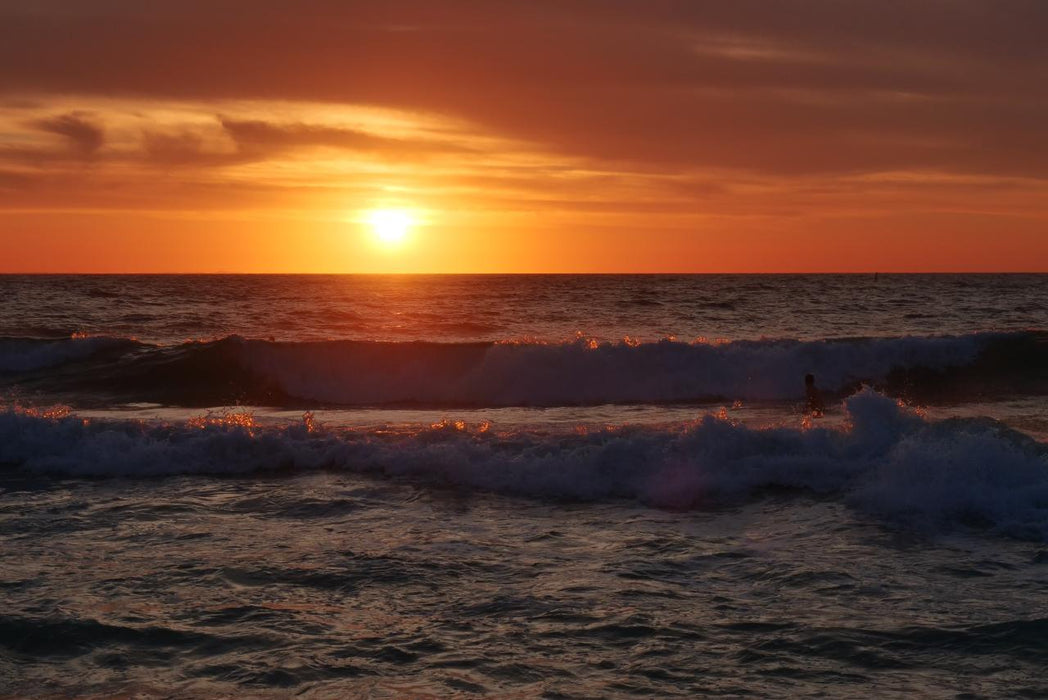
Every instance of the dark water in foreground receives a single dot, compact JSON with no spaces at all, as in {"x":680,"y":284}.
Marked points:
{"x":523,"y":486}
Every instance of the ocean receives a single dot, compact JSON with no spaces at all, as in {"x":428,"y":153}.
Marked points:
{"x":558,"y":486}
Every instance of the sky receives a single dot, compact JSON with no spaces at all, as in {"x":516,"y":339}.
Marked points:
{"x":539,"y":136}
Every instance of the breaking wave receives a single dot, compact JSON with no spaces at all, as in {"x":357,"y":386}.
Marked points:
{"x":888,"y":462}
{"x":583,"y":372}
{"x":19,"y":355}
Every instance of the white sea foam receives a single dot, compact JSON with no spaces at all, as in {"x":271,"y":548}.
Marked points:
{"x":888,"y":462}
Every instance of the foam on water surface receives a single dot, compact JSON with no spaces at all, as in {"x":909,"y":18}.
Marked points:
{"x":885,"y":460}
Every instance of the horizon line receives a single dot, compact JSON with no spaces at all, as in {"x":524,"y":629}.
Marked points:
{"x":227,"y":273}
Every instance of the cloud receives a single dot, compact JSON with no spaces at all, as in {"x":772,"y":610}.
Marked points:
{"x":11,"y":180}
{"x":81,"y":138}
{"x":678,"y":109}
{"x":789,"y":88}
{"x":258,"y":136}
{"x":186,"y":148}
{"x":84,"y":137}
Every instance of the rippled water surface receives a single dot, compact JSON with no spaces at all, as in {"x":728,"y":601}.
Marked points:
{"x":333,"y":584}
{"x":537,"y":486}
{"x":511,"y":307}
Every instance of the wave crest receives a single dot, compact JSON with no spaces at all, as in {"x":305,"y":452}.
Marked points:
{"x":888,"y":462}
{"x":584,"y":372}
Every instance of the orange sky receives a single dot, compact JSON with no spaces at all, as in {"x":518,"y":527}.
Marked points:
{"x":569,"y":136}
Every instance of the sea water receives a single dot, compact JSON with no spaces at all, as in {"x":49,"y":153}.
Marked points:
{"x":532,"y":486}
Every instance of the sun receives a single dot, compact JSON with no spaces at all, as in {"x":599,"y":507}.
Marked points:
{"x":390,"y":227}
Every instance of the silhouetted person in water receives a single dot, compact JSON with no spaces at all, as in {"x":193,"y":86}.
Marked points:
{"x":812,"y":396}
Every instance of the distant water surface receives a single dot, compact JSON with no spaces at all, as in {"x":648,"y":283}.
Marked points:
{"x":456,"y":308}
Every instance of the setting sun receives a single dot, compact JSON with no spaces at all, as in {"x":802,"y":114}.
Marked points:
{"x":390,"y":227}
